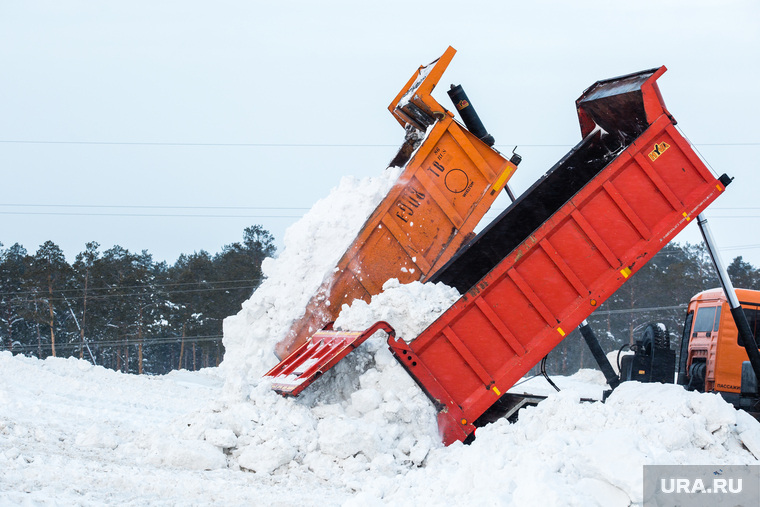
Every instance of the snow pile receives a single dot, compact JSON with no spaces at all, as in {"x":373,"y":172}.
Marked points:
{"x":365,"y":416}
{"x":567,"y":452}
{"x":75,"y":434}
{"x":313,"y":247}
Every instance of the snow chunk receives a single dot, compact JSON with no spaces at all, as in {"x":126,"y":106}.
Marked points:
{"x":187,"y":454}
{"x":267,"y":457}
{"x":223,"y":438}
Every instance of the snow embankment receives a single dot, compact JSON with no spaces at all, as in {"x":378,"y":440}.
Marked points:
{"x":568,"y":452}
{"x":313,"y":246}
{"x":364,"y":415}
{"x":74,"y":434}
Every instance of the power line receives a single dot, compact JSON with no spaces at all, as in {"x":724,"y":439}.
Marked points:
{"x":257,"y":208}
{"x":96,"y":297}
{"x":143,"y":215}
{"x":713,"y":217}
{"x":165,"y":340}
{"x":196,"y":215}
{"x":294,"y":145}
{"x":141,"y":286}
{"x":151,"y":215}
{"x":490,"y":215}
{"x":741,"y":247}
{"x":100,"y":297}
{"x":146,"y":342}
{"x":640,"y":310}
{"x":242,"y":145}
{"x":131,"y":206}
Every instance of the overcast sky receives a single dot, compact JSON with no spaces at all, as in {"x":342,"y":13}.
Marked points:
{"x":171,"y":126}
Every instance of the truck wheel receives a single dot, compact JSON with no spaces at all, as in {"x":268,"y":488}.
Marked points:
{"x":655,"y":337}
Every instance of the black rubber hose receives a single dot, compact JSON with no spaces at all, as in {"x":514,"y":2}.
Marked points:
{"x":546,"y":376}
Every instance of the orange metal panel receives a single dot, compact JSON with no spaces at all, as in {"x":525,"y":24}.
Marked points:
{"x":416,"y":92}
{"x":445,"y":189}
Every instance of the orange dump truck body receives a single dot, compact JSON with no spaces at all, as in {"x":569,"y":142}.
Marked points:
{"x":448,"y":184}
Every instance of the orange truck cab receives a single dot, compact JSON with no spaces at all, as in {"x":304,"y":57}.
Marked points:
{"x":712,"y":352}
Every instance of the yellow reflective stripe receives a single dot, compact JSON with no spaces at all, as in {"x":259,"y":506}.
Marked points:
{"x":503,"y":178}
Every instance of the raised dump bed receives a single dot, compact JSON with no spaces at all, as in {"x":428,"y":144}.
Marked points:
{"x":567,"y":244}
{"x":449,"y":181}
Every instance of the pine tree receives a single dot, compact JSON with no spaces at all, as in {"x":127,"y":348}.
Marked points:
{"x":49,"y":274}
{"x":238,"y":269}
{"x":743,"y":275}
{"x":84,"y":267}
{"x":14,"y":263}
{"x":119,"y":315}
{"x":193,"y":294}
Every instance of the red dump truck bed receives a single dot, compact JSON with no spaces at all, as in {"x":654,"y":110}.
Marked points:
{"x":560,"y":250}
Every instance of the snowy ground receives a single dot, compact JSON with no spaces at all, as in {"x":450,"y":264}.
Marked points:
{"x":74,"y":434}
{"x":363,"y":434}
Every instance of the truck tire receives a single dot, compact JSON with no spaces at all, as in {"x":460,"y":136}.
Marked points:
{"x":655,"y":337}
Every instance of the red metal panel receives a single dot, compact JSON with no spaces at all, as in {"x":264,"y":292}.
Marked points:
{"x":556,"y":277}
{"x":320,"y":353}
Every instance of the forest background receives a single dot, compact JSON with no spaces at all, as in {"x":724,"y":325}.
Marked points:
{"x":124,"y":311}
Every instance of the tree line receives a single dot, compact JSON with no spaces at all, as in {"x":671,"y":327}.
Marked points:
{"x":123,"y":310}
{"x":659,"y":292}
